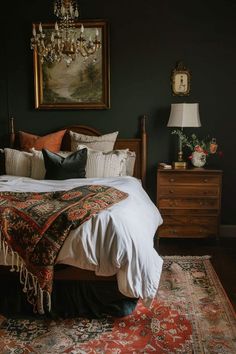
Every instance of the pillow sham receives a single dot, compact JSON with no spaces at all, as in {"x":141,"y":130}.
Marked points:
{"x":58,"y":167}
{"x":104,"y":142}
{"x":109,"y":164}
{"x":50,"y":142}
{"x":130,"y":163}
{"x":38,"y":169}
{"x":17,"y":163}
{"x":104,"y":164}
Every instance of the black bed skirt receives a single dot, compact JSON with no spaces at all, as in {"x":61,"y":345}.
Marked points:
{"x":69,"y":299}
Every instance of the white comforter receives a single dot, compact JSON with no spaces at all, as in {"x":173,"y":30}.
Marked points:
{"x":118,"y":240}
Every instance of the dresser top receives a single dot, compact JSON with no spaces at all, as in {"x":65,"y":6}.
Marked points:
{"x":189,"y":170}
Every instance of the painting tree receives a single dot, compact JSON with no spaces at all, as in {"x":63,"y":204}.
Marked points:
{"x":48,"y":94}
{"x":92,"y":73}
{"x":89,"y":86}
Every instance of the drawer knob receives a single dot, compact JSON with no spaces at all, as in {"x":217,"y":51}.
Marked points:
{"x":203,"y":203}
{"x":205,"y":180}
{"x":171,"y":191}
{"x":172,"y":179}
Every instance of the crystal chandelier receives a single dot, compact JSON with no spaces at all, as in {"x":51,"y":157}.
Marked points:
{"x":65,"y":41}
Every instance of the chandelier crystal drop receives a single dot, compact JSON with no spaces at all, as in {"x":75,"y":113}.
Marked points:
{"x":65,"y":41}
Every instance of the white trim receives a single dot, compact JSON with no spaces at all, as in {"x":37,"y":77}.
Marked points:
{"x":227,"y":230}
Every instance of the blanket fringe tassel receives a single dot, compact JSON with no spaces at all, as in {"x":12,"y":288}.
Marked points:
{"x":29,"y":282}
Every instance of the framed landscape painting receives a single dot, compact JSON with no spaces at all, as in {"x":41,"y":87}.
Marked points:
{"x":84,"y":84}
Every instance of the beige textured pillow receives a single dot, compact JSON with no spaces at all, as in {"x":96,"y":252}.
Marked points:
{"x":105,"y":164}
{"x":37,"y":163}
{"x":17,"y":163}
{"x":102,"y":143}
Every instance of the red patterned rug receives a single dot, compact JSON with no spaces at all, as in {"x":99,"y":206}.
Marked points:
{"x":192,"y":314}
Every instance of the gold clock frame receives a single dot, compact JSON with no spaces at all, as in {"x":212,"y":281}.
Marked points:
{"x":180,"y":80}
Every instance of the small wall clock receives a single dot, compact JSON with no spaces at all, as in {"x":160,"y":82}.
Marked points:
{"x":180,"y":80}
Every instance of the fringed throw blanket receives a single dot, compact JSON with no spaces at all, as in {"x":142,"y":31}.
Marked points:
{"x":34,"y":227}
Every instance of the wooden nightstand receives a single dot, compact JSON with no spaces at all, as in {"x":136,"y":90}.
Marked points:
{"x":189,"y":202}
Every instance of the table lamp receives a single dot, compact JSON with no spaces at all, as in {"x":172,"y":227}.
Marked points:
{"x":183,"y":115}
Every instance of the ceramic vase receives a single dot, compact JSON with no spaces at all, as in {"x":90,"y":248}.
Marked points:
{"x":198,"y":159}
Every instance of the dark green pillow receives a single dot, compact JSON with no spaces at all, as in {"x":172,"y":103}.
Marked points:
{"x":58,"y":167}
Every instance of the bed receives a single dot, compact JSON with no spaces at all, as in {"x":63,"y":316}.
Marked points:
{"x":93,"y":276}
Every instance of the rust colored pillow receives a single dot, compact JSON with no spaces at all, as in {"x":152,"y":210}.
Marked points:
{"x":50,"y":142}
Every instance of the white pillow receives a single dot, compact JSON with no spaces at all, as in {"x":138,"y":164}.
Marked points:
{"x":17,"y":163}
{"x":37,"y":163}
{"x":102,"y":143}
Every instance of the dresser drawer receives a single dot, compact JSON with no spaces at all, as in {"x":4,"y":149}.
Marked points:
{"x":187,"y":230}
{"x":189,"y":212}
{"x":189,"y":220}
{"x":189,"y":203}
{"x":189,"y":190}
{"x":178,"y":178}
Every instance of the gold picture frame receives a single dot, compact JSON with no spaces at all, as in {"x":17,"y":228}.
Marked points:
{"x":57,"y":86}
{"x":180,"y":80}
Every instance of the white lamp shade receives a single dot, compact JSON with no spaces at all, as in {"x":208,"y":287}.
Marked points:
{"x":184,"y":115}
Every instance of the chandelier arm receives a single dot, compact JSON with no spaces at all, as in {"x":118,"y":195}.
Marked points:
{"x":62,"y":43}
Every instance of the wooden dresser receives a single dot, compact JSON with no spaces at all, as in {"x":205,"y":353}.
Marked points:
{"x":189,"y":202}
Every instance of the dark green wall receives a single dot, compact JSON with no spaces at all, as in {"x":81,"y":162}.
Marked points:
{"x":146,"y":40}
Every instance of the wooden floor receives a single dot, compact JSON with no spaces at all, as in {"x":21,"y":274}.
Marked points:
{"x":223,"y":253}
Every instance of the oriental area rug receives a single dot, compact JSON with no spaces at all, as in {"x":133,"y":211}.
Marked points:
{"x":192,"y":314}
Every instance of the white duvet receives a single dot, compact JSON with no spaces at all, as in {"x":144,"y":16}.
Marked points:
{"x":118,"y":240}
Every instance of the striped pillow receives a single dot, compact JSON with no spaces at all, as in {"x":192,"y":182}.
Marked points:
{"x":17,"y":163}
{"x":105,"y":164}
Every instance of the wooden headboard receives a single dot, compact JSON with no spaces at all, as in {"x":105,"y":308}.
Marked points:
{"x":138,"y":145}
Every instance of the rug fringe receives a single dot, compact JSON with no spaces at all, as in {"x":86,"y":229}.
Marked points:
{"x":176,"y":257}
{"x":29,"y":285}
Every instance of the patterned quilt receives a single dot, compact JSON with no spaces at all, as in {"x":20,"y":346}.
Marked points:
{"x":34,"y":227}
